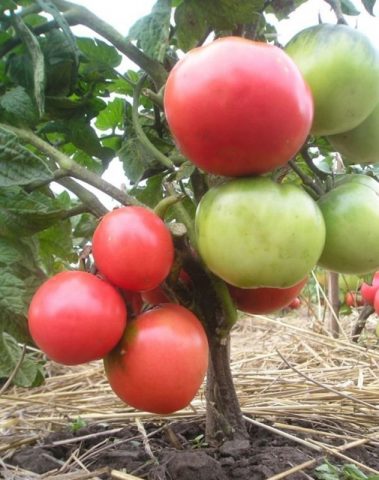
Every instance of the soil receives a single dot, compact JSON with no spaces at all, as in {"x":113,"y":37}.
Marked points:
{"x":177,"y":450}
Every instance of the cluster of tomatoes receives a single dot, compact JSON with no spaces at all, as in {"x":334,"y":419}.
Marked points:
{"x":157,"y":361}
{"x":241,"y":109}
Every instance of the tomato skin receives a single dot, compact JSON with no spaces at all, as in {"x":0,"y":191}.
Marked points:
{"x":253,"y":232}
{"x":353,"y":299}
{"x":161,"y":361}
{"x":237,"y":107}
{"x":341,"y":66}
{"x":262,"y":301}
{"x":76,"y":317}
{"x":133,"y":248}
{"x":351,"y":214}
{"x":157,"y":295}
{"x":360,"y":145}
{"x":295,"y":304}
{"x":369,"y":291}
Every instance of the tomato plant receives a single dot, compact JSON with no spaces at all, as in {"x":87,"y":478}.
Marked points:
{"x":75,"y":317}
{"x":261,"y":301}
{"x":351,"y":213}
{"x":133,"y":248}
{"x":341,"y":66}
{"x":161,"y":360}
{"x":238,"y":107}
{"x":250,"y":232}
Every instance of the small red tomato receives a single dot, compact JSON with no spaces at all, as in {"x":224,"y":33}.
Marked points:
{"x":295,"y":304}
{"x":76,"y":317}
{"x":369,"y":291}
{"x":133,"y":248}
{"x":353,"y":299}
{"x":264,"y":300}
{"x":237,"y":107}
{"x":161,"y":361}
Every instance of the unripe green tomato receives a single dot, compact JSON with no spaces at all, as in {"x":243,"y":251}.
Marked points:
{"x":351,"y":213}
{"x":360,"y":145}
{"x":341,"y":66}
{"x":253,"y":232}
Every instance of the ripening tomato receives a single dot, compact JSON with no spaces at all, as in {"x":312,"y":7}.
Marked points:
{"x":76,"y":317}
{"x":237,"y":107}
{"x":295,"y":304}
{"x":261,"y":301}
{"x":161,"y":361}
{"x":133,"y":248}
{"x":341,"y":66}
{"x":253,"y":232}
{"x":353,"y":299}
{"x":369,"y":291}
{"x":351,"y":214}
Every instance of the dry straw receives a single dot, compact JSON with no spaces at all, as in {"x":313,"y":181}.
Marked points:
{"x":287,"y":370}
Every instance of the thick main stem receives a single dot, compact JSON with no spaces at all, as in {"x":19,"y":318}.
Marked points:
{"x":224,"y":419}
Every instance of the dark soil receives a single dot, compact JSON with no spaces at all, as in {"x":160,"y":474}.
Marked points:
{"x":178,"y":451}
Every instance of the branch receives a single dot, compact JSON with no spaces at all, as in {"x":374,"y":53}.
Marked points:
{"x":85,"y":17}
{"x":361,"y":322}
{"x":73,"y":169}
{"x":336,"y":7}
{"x":88,"y":198}
{"x":306,"y":179}
{"x":157,"y":154}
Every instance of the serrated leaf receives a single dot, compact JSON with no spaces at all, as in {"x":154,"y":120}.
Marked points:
{"x":185,"y":171}
{"x":12,"y":293}
{"x":99,"y":53}
{"x":61,"y":63}
{"x":23,"y":214}
{"x":282,"y":8}
{"x":18,"y":165}
{"x":17,"y":108}
{"x":84,"y":226}
{"x":152,"y":31}
{"x":348,"y":8}
{"x":56,"y":242}
{"x":29,"y":373}
{"x":369,"y":6}
{"x":191,"y":24}
{"x":112,"y":116}
{"x":135,"y":159}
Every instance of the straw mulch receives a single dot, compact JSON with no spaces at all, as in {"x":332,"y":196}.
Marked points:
{"x":287,"y":370}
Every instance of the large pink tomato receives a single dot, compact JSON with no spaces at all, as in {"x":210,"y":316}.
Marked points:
{"x":237,"y":107}
{"x":160,"y":363}
{"x":76,"y":317}
{"x":133,"y":248}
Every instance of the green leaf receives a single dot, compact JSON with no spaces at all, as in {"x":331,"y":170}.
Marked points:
{"x":99,"y":53}
{"x":191,"y":24}
{"x":151,"y":192}
{"x":348,"y":8}
{"x":56,"y":243}
{"x":17,"y":108}
{"x":112,"y":116}
{"x":152,"y":31}
{"x":84,"y":226}
{"x":61,"y":63}
{"x":12,"y":293}
{"x":352,"y":472}
{"x":369,"y":6}
{"x":18,"y":165}
{"x":135,"y":159}
{"x":23,"y":214}
{"x":282,"y":8}
{"x":29,"y":374}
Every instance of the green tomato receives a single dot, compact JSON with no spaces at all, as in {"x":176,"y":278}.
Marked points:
{"x":349,"y":283}
{"x":253,"y":232}
{"x":360,"y":145}
{"x":351,"y":214}
{"x":358,"y":178}
{"x":341,"y":66}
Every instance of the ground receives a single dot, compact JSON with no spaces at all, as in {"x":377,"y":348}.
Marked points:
{"x":307,"y":397}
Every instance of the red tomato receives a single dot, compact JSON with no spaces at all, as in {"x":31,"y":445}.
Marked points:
{"x":352,"y":299}
{"x":237,"y":107}
{"x":295,"y":304}
{"x":157,"y":295}
{"x":161,"y":361}
{"x":133,"y":248}
{"x":368,"y":291}
{"x":134,"y":301}
{"x":76,"y":317}
{"x":264,"y":300}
